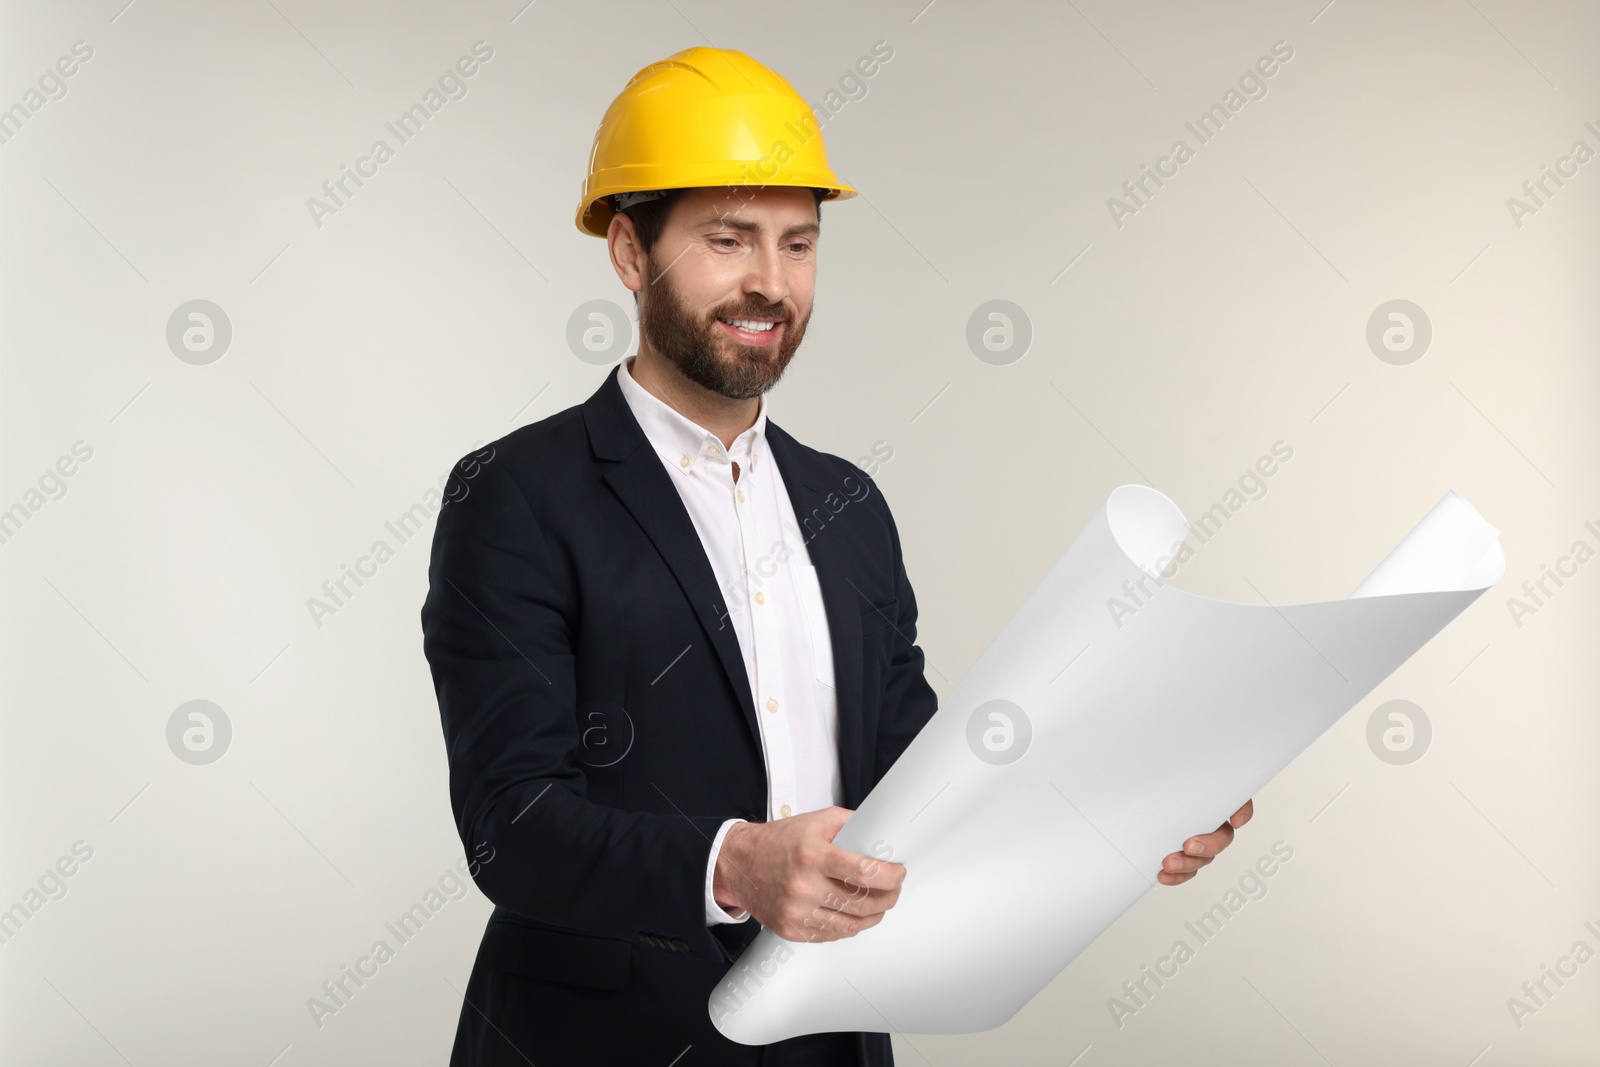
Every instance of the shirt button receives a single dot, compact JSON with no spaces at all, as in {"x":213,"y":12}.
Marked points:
{"x":786,"y":811}
{"x":713,"y":450}
{"x":741,"y":496}
{"x":772,"y":704}
{"x":761,"y":598}
{"x":684,"y":462}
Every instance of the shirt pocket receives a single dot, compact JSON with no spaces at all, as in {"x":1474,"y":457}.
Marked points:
{"x":810,"y":589}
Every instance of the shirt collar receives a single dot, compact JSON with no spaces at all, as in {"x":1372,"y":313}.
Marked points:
{"x":678,"y":440}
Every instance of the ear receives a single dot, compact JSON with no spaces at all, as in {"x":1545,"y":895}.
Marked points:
{"x":627,"y":255}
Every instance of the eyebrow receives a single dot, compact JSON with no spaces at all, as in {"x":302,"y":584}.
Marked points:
{"x":799,"y":229}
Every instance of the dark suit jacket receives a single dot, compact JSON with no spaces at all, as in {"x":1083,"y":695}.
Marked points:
{"x":599,"y":726}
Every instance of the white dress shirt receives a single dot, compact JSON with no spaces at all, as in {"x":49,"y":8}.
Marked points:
{"x":758,"y":553}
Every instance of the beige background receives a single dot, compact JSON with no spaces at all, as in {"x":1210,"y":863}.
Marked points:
{"x":430,"y":312}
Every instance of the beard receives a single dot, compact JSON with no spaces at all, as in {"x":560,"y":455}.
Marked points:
{"x":705,"y":353}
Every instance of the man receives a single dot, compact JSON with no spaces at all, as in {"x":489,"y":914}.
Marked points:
{"x":673,"y":647}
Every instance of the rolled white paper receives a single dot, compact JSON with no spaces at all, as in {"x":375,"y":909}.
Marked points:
{"x":1112,"y":718}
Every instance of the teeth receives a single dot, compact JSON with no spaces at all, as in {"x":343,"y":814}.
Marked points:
{"x":753,"y":325}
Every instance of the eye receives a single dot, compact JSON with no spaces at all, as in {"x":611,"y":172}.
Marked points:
{"x":724,"y":242}
{"x":801,"y":247}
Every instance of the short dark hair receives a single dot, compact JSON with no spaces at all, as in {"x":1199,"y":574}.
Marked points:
{"x":650,"y":216}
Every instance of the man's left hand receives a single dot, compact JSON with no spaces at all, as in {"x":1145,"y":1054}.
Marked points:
{"x":1199,"y":851}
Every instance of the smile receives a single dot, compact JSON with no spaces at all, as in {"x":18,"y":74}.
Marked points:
{"x":752,"y":331}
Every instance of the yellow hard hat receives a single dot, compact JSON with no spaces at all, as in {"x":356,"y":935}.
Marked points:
{"x":704,"y":117}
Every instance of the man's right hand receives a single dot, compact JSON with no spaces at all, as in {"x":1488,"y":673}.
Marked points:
{"x":792,"y":878}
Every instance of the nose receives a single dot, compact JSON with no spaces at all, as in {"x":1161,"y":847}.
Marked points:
{"x":766,"y":280}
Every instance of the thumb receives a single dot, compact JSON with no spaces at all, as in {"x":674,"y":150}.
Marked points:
{"x":833,"y":819}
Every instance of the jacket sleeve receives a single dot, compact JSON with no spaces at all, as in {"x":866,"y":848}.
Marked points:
{"x":497,"y":630}
{"x":908,"y":700}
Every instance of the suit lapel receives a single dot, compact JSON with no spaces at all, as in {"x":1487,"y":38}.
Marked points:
{"x":645,"y":489}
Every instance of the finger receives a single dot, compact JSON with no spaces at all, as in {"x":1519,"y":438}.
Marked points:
{"x":859,"y":901}
{"x":1181,"y":863}
{"x":1242,"y":816}
{"x":831,"y":819}
{"x":1209,"y":844}
{"x":851,"y":925}
{"x":1170,"y":878}
{"x":827,"y":925}
{"x":851,"y":867}
{"x":852,"y":889}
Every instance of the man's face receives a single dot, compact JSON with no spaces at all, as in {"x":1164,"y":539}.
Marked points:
{"x":729,"y":256}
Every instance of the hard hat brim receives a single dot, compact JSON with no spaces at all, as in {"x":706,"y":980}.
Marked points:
{"x":594,"y":216}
